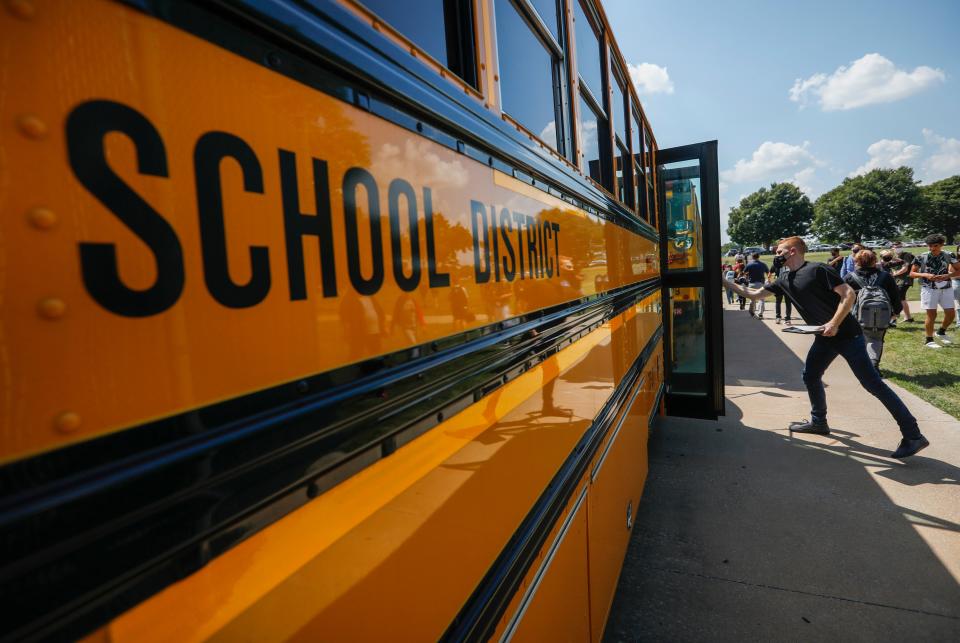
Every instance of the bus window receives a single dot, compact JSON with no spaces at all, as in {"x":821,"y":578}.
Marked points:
{"x":591,"y":129}
{"x":618,"y":114}
{"x":442,"y":28}
{"x":528,"y":69}
{"x":588,"y":52}
{"x":547,"y":10}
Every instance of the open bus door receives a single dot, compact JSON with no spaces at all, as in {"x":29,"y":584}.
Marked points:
{"x":692,"y":295}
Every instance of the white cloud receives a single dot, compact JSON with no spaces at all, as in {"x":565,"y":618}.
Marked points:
{"x":549,"y":133}
{"x":418,"y":159}
{"x":802,"y":180}
{"x":945,"y":161}
{"x":650,"y":79}
{"x":887,"y":153}
{"x":867,"y":81}
{"x":774,"y":161}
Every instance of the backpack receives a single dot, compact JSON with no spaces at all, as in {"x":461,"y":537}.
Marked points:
{"x":872,"y":308}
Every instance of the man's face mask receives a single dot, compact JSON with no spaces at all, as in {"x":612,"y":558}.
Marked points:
{"x":778,"y":262}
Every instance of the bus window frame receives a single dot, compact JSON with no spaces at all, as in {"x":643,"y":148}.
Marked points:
{"x":558,"y":61}
{"x":469,"y":29}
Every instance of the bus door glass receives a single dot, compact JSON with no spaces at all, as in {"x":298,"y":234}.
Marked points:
{"x":689,"y":254}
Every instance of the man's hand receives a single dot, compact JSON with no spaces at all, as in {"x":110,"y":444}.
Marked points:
{"x":829,"y":329}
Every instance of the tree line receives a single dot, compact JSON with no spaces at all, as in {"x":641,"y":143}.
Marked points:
{"x":881,"y":204}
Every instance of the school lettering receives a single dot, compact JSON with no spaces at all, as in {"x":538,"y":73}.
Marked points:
{"x":507,"y":245}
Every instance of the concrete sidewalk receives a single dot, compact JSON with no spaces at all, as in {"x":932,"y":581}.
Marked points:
{"x":748,"y":533}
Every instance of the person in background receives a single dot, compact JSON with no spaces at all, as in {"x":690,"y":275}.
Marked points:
{"x":899,"y":268}
{"x":779,"y":269}
{"x":956,"y":287}
{"x":729,"y":274}
{"x":823,"y":300}
{"x":934,"y":269}
{"x":740,"y":277}
{"x":848,"y":265}
{"x":756,"y":275}
{"x":835,"y":261}
{"x":867,"y":274}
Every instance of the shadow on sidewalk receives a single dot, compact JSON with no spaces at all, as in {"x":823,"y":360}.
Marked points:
{"x":745,"y":532}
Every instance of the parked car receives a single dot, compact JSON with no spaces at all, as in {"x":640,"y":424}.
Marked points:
{"x":846,"y":245}
{"x":754,"y":249}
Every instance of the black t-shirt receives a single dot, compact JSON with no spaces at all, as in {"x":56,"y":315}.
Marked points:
{"x":757,"y":270}
{"x":810,"y":288}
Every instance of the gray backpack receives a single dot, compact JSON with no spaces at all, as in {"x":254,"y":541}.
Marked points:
{"x":872,"y":309}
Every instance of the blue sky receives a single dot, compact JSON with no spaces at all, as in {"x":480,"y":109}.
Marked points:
{"x":809,"y":92}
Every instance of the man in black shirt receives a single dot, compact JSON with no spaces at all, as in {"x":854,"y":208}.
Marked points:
{"x":757,"y":274}
{"x":824,"y":300}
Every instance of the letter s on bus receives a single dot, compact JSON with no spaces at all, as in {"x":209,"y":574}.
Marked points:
{"x":87,"y":126}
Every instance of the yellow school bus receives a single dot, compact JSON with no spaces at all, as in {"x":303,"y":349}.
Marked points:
{"x":322,"y":320}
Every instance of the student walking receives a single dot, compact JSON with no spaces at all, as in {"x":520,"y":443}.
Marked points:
{"x":822,"y":299}
{"x":756,"y":274}
{"x":774,"y":275}
{"x":956,"y":288}
{"x":848,"y":265}
{"x":899,"y":267}
{"x":878,"y":302}
{"x":729,"y":275}
{"x":934,"y":269}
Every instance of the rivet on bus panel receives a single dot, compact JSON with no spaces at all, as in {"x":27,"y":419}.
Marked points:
{"x":42,"y":218}
{"x":23,"y":9}
{"x":67,"y":422}
{"x":32,"y":127}
{"x":52,"y":308}
{"x":274,"y":60}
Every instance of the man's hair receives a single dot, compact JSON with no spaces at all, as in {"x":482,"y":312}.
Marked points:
{"x":935,"y":238}
{"x":887,"y":255}
{"x":755,"y":255}
{"x":794,"y":242}
{"x":834,"y":251}
{"x":856,"y":248}
{"x":866,"y":259}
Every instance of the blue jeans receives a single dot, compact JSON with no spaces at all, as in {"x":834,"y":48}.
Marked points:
{"x":854,"y":350}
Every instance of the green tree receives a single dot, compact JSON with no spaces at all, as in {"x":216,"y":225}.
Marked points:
{"x":875,"y":205}
{"x":768,"y":214}
{"x":939,"y":210}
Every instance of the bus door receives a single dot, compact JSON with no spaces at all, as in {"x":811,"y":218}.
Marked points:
{"x":690,"y":265}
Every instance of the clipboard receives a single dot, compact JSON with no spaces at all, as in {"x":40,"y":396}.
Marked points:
{"x":804,"y":330}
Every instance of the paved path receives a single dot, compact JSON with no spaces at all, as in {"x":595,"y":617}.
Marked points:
{"x":746,"y":533}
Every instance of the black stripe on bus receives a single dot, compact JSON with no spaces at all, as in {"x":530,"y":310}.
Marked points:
{"x":321,"y":44}
{"x":485,"y":608}
{"x":92,"y":529}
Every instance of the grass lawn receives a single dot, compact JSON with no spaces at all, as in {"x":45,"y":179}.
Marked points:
{"x":931,"y":374}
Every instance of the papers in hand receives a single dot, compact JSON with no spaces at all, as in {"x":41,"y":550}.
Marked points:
{"x":804,"y":330}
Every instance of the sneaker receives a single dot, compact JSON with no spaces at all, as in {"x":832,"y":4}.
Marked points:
{"x":760,"y":316}
{"x":777,"y":320}
{"x":787,"y":321}
{"x":811,"y":426}
{"x":932,"y":344}
{"x":893,"y":323}
{"x":942,"y":336}
{"x":909,"y":447}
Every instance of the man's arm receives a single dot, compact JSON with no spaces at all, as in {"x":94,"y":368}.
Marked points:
{"x":749,"y":293}
{"x":847,"y":299}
